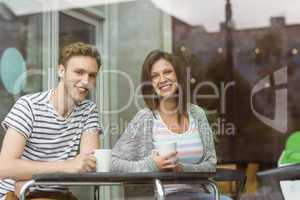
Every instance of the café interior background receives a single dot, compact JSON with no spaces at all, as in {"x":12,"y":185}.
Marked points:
{"x":228,"y":47}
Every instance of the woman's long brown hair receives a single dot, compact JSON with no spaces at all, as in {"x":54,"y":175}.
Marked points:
{"x":151,"y":98}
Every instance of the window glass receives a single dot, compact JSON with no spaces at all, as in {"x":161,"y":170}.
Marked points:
{"x":21,"y":54}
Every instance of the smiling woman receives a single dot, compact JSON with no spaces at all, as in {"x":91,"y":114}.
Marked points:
{"x":163,"y":78}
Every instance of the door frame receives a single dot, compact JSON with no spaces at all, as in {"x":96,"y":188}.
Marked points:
{"x":50,"y":28}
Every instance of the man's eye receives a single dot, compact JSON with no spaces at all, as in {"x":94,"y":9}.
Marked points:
{"x":93,"y":75}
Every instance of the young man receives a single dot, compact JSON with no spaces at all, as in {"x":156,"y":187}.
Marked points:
{"x":55,"y":130}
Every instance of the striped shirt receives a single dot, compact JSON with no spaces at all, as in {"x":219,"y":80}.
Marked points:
{"x":189,"y":147}
{"x":49,"y":137}
{"x":188,"y":144}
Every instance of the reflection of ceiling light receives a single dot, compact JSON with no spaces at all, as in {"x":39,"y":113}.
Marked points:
{"x":182,"y":48}
{"x":294,"y":51}
{"x":193,"y":80}
{"x":220,"y":50}
{"x":267,"y":85}
{"x":257,"y":51}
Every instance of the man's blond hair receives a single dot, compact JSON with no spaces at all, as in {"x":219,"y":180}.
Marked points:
{"x":79,"y":49}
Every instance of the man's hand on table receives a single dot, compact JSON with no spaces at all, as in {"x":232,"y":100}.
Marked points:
{"x":82,"y":163}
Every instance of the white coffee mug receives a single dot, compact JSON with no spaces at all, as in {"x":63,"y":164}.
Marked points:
{"x":165,"y":148}
{"x":103,"y":160}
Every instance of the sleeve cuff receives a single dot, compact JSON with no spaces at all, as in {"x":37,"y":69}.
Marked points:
{"x":93,"y":130}
{"x":152,"y":164}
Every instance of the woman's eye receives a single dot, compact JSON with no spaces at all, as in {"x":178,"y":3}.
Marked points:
{"x":167,"y":73}
{"x":154,"y":76}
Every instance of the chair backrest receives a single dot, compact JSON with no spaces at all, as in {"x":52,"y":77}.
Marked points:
{"x":293,"y":142}
{"x":291,"y":154}
{"x":232,"y":175}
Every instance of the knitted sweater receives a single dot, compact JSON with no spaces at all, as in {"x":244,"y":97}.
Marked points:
{"x":132,"y":152}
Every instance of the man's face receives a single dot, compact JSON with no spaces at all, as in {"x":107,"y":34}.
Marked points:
{"x":79,"y":77}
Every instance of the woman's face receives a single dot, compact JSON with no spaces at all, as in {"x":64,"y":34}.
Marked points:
{"x":163,"y":77}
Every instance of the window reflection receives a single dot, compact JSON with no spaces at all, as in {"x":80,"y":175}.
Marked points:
{"x":221,"y":41}
{"x":23,"y":33}
{"x":259,"y":50}
{"x":72,"y":29}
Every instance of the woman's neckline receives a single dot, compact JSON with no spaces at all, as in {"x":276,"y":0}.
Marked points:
{"x":176,"y":133}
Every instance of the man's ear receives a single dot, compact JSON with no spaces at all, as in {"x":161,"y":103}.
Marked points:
{"x":61,"y":70}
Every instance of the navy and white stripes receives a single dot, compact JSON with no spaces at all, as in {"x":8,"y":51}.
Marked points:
{"x":49,"y":136}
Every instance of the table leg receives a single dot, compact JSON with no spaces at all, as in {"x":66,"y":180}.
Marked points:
{"x":96,"y":192}
{"x":24,"y":189}
{"x":160,"y":189}
{"x":215,"y":189}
